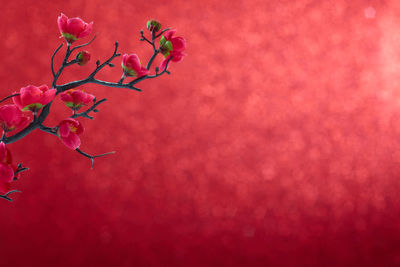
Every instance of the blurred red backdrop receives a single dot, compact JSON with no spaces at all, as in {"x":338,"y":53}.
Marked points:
{"x":274,"y":143}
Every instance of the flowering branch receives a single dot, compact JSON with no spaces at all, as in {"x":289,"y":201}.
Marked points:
{"x":38,"y":100}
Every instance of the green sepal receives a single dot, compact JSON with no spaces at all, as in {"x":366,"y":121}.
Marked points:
{"x":69,"y":37}
{"x":32,"y":107}
{"x":168,"y":45}
{"x":162,"y":40}
{"x":128,"y":71}
{"x":69,"y":104}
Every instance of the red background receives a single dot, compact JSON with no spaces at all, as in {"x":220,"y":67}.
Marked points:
{"x":274,"y":143}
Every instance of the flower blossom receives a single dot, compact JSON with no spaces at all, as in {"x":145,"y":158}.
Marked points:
{"x":75,"y":99}
{"x":34,"y":98}
{"x":171,"y":47}
{"x":69,"y":131}
{"x":11,"y":118}
{"x":74,"y":28}
{"x":132,"y":67}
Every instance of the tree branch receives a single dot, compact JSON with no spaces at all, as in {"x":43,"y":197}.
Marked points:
{"x":82,"y":45}
{"x":7,"y":97}
{"x":107,"y":62}
{"x":93,"y":157}
{"x":92,"y":108}
{"x":5,"y":196}
{"x":166,"y":29}
{"x":52,"y":59}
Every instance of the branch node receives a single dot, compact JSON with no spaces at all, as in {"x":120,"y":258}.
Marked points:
{"x":93,"y":157}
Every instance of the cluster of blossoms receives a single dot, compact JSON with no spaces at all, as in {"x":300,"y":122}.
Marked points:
{"x":31,"y":104}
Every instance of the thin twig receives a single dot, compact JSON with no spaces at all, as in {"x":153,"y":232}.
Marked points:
{"x":5,"y":196}
{"x":93,"y":157}
{"x":86,"y":113}
{"x":7,"y":97}
{"x":144,"y":38}
{"x":82,"y":45}
{"x":167,"y":29}
{"x":63,"y":65}
{"x":107,"y":62}
{"x":52,"y":59}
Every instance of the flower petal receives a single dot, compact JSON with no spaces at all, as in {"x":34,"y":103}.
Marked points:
{"x":30,"y":94}
{"x":71,"y":141}
{"x":64,"y":129}
{"x":3,"y":152}
{"x":75,"y":26}
{"x":86,"y":31}
{"x":66,"y":97}
{"x":168,"y":35}
{"x":178,"y":43}
{"x":6,"y":173}
{"x":62,"y":23}
{"x":48,"y":96}
{"x":17,"y":101}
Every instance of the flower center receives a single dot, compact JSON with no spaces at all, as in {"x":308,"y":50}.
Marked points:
{"x":72,"y":128}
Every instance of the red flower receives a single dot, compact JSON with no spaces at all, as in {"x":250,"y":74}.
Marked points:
{"x":75,"y":99}
{"x":6,"y":170}
{"x":69,"y":131}
{"x":172,"y":47}
{"x":74,"y":28}
{"x":82,"y":58}
{"x":132,"y":67}
{"x":34,"y":98}
{"x":11,"y":118}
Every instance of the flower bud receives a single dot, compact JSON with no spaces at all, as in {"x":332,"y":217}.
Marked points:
{"x":82,"y":58}
{"x":153,"y":25}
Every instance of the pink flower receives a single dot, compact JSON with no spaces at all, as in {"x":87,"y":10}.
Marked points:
{"x":69,"y":131}
{"x":82,"y":58}
{"x":74,"y":28}
{"x":132,"y":67}
{"x":11,"y":118}
{"x":34,"y":98}
{"x":171,"y":47}
{"x":6,"y":170}
{"x":75,"y":99}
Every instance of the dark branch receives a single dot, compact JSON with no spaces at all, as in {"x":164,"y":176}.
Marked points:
{"x":145,"y":39}
{"x":167,"y":29}
{"x":86,"y":113}
{"x":7,"y":97}
{"x":63,"y":65}
{"x":107,"y":62}
{"x":49,"y":130}
{"x":82,"y":45}
{"x":52,"y":59}
{"x":5,"y":196}
{"x":93,"y":157}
